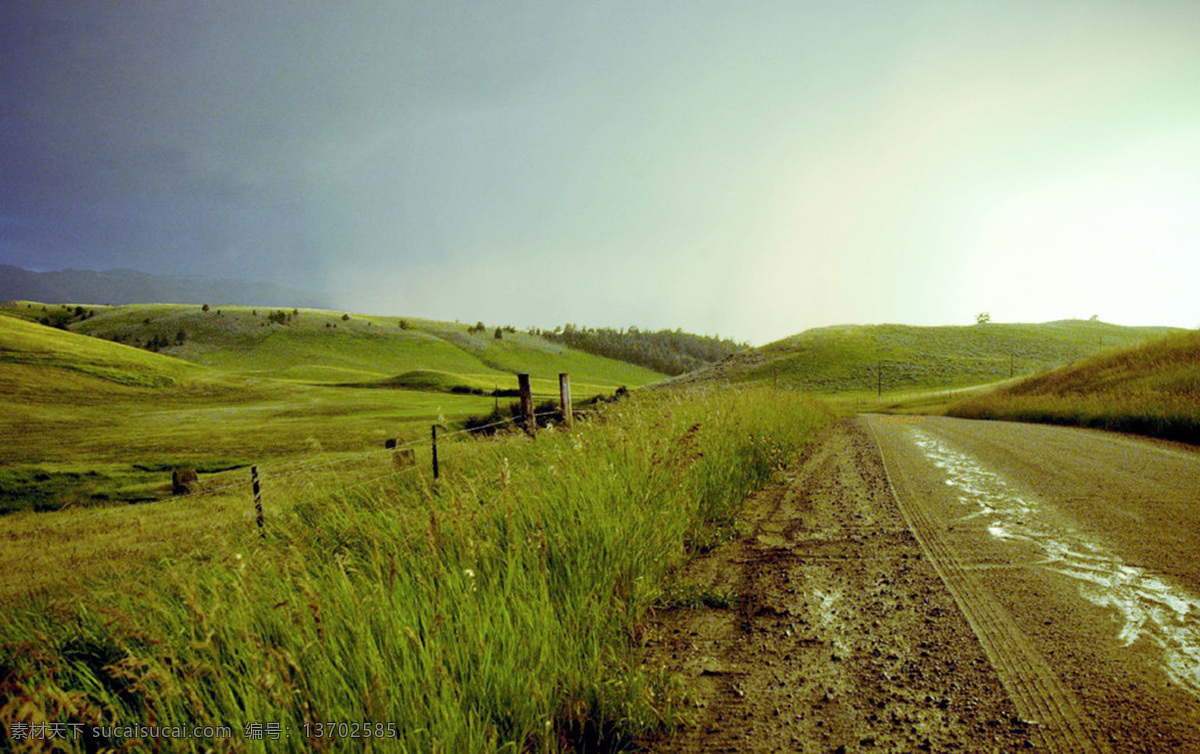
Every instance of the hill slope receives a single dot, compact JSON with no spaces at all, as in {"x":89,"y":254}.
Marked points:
{"x":1150,"y":389}
{"x":33,"y":356}
{"x":319,"y":346}
{"x":848,"y":358}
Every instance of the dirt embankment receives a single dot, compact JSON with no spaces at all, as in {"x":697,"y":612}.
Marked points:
{"x":842,"y":637}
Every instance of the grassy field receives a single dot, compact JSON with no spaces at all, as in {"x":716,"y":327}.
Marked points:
{"x":857,"y":361}
{"x":1151,"y":389}
{"x":498,"y":609}
{"x":87,"y":421}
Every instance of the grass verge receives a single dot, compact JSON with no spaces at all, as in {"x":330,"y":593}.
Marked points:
{"x":499,"y":609}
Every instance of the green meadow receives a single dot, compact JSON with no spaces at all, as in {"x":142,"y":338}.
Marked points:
{"x":92,"y":418}
{"x":497,"y":608}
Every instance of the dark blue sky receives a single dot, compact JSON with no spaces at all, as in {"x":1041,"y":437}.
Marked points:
{"x":744,"y":169}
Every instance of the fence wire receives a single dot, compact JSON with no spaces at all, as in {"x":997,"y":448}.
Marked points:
{"x":286,"y":471}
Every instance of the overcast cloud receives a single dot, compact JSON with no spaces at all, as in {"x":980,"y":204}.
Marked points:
{"x":747,"y":169}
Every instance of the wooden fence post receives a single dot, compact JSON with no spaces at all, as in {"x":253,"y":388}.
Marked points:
{"x":257,"y":499}
{"x":527,"y":403}
{"x":564,"y":395}
{"x":433,"y":431}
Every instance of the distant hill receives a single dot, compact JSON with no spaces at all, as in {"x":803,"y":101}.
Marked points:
{"x":861,"y":358}
{"x":133,"y":287}
{"x":1151,"y":389}
{"x":33,"y":357}
{"x":336,"y":348}
{"x":140,"y":389}
{"x":665,"y":351}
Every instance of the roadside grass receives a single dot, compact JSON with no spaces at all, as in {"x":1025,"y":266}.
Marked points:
{"x":498,"y":609}
{"x":1152,"y":389}
{"x":694,"y":597}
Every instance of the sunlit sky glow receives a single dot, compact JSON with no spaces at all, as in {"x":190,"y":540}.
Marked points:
{"x":743,"y":169}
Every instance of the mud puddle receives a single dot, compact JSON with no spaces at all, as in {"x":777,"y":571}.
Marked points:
{"x":1148,"y":607}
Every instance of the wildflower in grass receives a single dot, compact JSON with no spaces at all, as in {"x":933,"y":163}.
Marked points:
{"x":470,"y":574}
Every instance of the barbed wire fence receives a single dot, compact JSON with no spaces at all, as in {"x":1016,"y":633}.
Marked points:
{"x":307,"y":479}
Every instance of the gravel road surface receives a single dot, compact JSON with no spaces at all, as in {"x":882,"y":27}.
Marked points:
{"x":936,"y":584}
{"x":1074,"y":555}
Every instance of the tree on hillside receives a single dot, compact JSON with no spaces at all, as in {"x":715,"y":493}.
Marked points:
{"x":499,"y":334}
{"x":983,"y":318}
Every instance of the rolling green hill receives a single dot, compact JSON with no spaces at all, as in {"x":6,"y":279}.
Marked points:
{"x":29,"y":352}
{"x":86,"y":420}
{"x":1151,"y":389}
{"x":861,"y":358}
{"x":318,"y":346}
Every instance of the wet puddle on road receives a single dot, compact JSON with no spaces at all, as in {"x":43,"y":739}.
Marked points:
{"x":1149,"y":608}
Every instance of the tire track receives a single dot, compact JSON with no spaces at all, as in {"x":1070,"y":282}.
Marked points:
{"x":841,"y":637}
{"x":1035,"y":689}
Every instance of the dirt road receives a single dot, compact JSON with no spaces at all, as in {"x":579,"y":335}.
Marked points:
{"x":945,"y":585}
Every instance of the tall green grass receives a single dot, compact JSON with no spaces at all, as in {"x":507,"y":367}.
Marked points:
{"x":497,"y":609}
{"x":1152,"y":389}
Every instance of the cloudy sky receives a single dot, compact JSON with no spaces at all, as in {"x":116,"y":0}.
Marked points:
{"x":744,"y":169}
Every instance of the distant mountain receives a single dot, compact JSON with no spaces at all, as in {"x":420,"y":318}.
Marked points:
{"x":133,"y":287}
